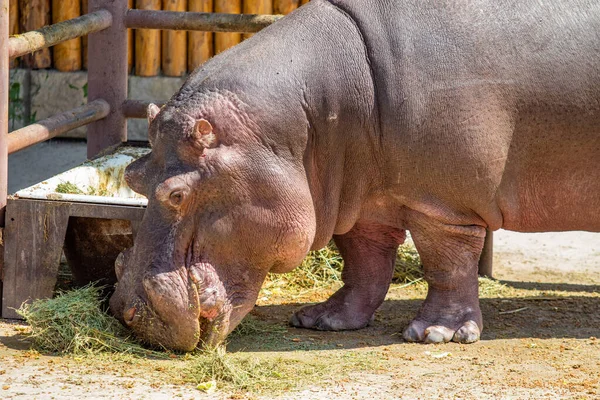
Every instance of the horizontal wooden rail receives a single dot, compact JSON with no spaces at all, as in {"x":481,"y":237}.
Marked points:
{"x":197,"y":21}
{"x":56,"y":125}
{"x":138,"y":108}
{"x":50,"y":35}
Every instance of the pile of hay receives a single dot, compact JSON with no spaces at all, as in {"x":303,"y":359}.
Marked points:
{"x":322,"y":268}
{"x":73,"y":323}
{"x":214,"y":366}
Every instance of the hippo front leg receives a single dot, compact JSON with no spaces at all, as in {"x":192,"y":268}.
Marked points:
{"x":450,"y":255}
{"x":369,"y":252}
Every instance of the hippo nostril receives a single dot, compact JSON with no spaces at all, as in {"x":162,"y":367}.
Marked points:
{"x":129,"y":315}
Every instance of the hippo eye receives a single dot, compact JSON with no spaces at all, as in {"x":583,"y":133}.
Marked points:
{"x":176,"y":198}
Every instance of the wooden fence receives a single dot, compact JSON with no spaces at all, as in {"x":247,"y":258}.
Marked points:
{"x":151,"y":52}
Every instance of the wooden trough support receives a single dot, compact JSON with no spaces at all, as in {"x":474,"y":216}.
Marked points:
{"x":33,"y":230}
{"x":37,"y":230}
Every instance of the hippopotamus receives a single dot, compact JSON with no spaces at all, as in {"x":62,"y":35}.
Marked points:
{"x":359,"y":121}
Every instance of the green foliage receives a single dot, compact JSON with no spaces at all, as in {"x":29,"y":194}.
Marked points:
{"x":68,"y":188}
{"x":15,"y":104}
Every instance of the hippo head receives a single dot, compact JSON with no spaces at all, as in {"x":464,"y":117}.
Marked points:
{"x":225,"y":207}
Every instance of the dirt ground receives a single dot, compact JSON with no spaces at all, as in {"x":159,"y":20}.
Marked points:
{"x":542,"y":320}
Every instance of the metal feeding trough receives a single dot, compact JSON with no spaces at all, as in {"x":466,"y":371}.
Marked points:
{"x":89,"y":211}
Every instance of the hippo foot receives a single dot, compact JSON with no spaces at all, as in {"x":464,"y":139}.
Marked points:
{"x":463,"y":327}
{"x":342,"y":311}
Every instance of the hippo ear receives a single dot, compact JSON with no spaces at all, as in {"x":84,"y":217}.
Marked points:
{"x":203,"y":134}
{"x":152,"y":112}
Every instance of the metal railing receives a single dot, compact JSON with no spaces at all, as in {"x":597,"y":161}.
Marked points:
{"x":108,"y":108}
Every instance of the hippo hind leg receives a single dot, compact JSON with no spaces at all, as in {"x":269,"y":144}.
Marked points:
{"x":450,"y":255}
{"x":369,"y":253}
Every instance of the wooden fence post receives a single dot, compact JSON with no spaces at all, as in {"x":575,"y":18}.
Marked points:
{"x":174,"y":43}
{"x":35,"y":14}
{"x":200,"y":44}
{"x":257,"y":7}
{"x":223,"y":41}
{"x":67,"y":55}
{"x":147,"y":44}
{"x":107,"y":77}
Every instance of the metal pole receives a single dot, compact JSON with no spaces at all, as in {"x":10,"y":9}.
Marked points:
{"x":138,"y":108}
{"x":107,"y":77}
{"x":487,"y":255}
{"x":56,"y":125}
{"x":197,"y":21}
{"x":57,"y":33}
{"x":4,"y":89}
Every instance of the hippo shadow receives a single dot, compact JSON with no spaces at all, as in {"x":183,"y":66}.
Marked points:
{"x":574,"y":315}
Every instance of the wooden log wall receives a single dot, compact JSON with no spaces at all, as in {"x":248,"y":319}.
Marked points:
{"x":223,"y":41}
{"x":147,"y":44}
{"x":13,"y":20}
{"x":66,"y":55}
{"x":285,"y":6}
{"x":200,"y":44}
{"x":34,"y":14}
{"x":257,"y":7}
{"x":174,"y":44}
{"x":151,"y":52}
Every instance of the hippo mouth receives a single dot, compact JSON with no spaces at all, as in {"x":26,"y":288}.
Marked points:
{"x":214,"y":309}
{"x":181,"y":309}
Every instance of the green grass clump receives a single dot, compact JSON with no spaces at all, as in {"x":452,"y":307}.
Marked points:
{"x":408,"y":266}
{"x":322,"y":268}
{"x":319,"y":269}
{"x":74,"y":323}
{"x":68,"y":188}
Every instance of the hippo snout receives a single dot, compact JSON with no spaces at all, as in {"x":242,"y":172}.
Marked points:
{"x":162,"y":308}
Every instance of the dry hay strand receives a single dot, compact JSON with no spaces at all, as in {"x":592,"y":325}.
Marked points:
{"x":214,"y":368}
{"x":227,"y":370}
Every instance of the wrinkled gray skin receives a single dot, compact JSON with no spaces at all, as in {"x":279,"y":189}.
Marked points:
{"x":360,"y":120}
